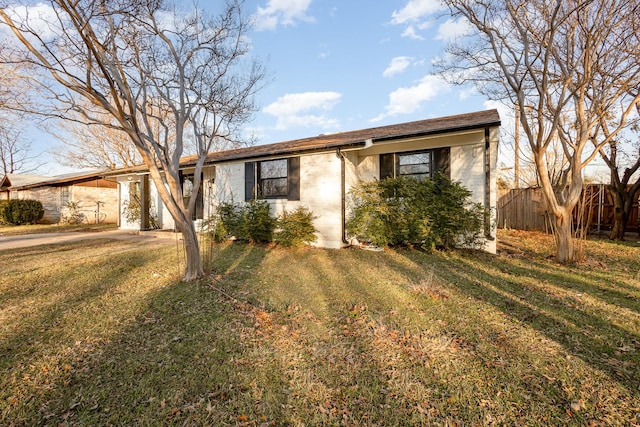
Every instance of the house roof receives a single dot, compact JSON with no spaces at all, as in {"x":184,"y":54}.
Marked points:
{"x":357,"y":138}
{"x":23,"y":182}
{"x":19,"y":179}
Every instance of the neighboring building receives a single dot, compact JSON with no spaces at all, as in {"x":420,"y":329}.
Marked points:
{"x":95,"y":196}
{"x":319,"y":172}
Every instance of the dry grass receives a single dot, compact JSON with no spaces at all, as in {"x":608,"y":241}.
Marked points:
{"x":17,"y":230}
{"x":94,"y":333}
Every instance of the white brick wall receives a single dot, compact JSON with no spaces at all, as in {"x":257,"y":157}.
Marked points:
{"x":467,"y":167}
{"x":319,"y":192}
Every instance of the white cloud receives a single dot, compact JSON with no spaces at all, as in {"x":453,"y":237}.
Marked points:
{"x":301,"y":110}
{"x":415,"y":11}
{"x":450,"y":30}
{"x":282,"y":12}
{"x":410,"y":32}
{"x":415,"y":15}
{"x":397,"y":65}
{"x":406,"y":100}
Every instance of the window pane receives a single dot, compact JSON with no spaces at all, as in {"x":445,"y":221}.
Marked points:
{"x":274,"y":187}
{"x":414,"y":159}
{"x":414,"y":169}
{"x":187,"y":185}
{"x":416,"y":164}
{"x":273,"y":169}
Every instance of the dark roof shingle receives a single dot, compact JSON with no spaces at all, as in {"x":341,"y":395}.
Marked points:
{"x":359,"y":137}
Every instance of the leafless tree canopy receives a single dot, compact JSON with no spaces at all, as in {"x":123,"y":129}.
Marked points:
{"x":159,"y":72}
{"x":15,"y":150}
{"x":566,"y":64}
{"x":92,"y":146}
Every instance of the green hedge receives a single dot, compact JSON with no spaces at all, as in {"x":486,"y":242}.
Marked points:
{"x":252,"y":222}
{"x":249,"y":222}
{"x":18,"y":212}
{"x":3,"y":203}
{"x":432,"y":213}
{"x":295,"y":228}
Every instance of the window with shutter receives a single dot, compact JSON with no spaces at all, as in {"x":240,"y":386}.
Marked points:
{"x":273,"y":179}
{"x":417,"y":164}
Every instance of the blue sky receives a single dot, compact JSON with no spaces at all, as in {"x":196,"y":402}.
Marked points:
{"x":345,"y":65}
{"x":340,"y":65}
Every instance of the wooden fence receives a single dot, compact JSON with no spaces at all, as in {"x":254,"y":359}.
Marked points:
{"x":526,"y":209}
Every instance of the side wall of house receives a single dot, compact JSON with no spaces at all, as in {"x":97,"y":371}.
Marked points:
{"x":54,"y":200}
{"x":320,"y":184}
{"x":96,"y":204}
{"x":48,"y":196}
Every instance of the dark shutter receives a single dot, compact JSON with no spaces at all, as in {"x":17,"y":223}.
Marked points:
{"x":249,"y":181}
{"x":441,"y":161}
{"x":293,"y":178}
{"x":386,"y":165}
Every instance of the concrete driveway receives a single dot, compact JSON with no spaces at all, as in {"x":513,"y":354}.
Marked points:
{"x":26,"y":240}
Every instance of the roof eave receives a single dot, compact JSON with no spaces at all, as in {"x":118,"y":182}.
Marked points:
{"x":437,"y":131}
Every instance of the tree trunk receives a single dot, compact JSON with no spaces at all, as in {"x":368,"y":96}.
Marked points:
{"x":621,"y":212}
{"x":193,"y":265}
{"x":564,"y":240}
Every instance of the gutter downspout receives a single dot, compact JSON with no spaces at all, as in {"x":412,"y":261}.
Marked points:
{"x":343,"y":196}
{"x":487,"y":184}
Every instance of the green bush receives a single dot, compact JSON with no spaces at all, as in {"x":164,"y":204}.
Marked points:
{"x":406,"y":211}
{"x":295,"y":228}
{"x":252,"y":222}
{"x":259,"y":223}
{"x":18,"y":212}
{"x":3,"y":203}
{"x":249,"y":222}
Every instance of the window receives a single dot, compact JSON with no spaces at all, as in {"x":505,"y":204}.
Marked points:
{"x":273,"y":179}
{"x":418,"y":164}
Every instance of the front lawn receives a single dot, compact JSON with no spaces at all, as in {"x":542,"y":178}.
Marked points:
{"x":101,"y":333}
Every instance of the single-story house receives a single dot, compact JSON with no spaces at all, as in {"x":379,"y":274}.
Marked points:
{"x":95,"y":196}
{"x":318,"y":172}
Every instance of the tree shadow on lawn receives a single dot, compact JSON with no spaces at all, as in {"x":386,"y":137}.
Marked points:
{"x":187,"y":353}
{"x":554,"y":309}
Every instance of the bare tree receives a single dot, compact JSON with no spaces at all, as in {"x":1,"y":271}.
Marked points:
{"x":158,"y":72}
{"x":93,"y":146}
{"x":15,"y":151}
{"x":565,"y":64}
{"x":625,"y":179}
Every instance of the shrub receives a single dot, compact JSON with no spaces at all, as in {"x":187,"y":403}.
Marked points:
{"x":3,"y":203}
{"x":406,"y":211}
{"x":259,"y":223}
{"x":249,"y":222}
{"x":295,"y":228}
{"x":73,"y":214}
{"x":18,"y":212}
{"x":132,"y":212}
